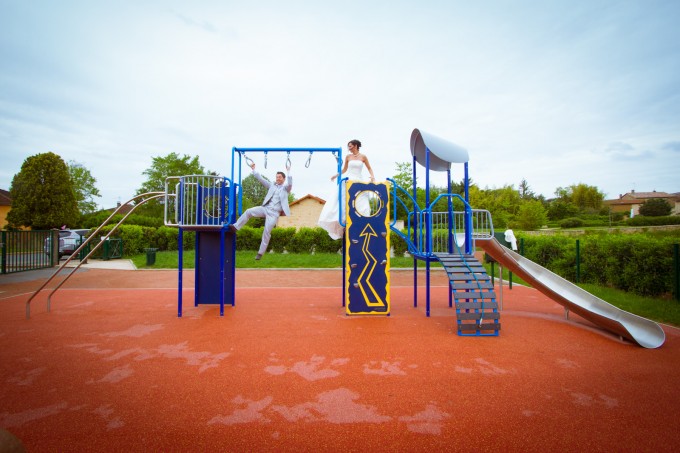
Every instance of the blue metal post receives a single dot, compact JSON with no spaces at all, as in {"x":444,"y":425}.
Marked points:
{"x":180,"y":242}
{"x":451,"y":220}
{"x":468,"y":214}
{"x":428,"y":239}
{"x":222,"y":272}
{"x":197,"y":266}
{"x":415,"y":236}
{"x":344,"y":268}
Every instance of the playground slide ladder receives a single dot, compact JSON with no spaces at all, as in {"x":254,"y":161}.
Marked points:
{"x":472,"y":289}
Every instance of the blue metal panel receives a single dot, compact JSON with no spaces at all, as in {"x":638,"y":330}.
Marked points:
{"x":367,"y":248}
{"x":215,"y":268}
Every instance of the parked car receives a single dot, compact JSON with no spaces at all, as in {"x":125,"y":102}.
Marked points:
{"x":69,"y":241}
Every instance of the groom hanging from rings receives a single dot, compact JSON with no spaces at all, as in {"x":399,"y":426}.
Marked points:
{"x":274,"y":205}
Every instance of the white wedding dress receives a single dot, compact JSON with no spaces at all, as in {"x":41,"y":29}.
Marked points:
{"x":328,"y":220}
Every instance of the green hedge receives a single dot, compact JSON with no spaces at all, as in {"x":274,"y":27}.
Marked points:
{"x":654,"y":221}
{"x":636,"y":263}
{"x":136,"y":238}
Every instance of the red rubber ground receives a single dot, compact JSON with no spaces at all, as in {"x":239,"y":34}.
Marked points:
{"x":112,"y":368}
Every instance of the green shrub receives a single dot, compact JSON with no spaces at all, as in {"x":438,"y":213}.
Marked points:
{"x":281,"y":238}
{"x":167,"y":238}
{"x":398,"y":244}
{"x":302,"y":241}
{"x":249,"y":238}
{"x":572,"y":222}
{"x":323,"y":243}
{"x":135,"y":238}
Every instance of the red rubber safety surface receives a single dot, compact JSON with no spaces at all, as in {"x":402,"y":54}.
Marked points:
{"x":112,"y":368}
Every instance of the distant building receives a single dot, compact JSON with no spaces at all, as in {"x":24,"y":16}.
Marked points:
{"x":304,"y":212}
{"x":630,"y":202}
{"x":127,"y":208}
{"x":5,"y":206}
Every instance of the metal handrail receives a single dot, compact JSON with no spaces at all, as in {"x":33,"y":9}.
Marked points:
{"x":152,"y":195}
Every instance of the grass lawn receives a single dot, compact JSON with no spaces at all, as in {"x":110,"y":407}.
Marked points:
{"x":660,"y":310}
{"x":246,"y":259}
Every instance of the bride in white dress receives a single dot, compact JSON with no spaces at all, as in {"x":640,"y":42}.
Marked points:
{"x":353,"y":170}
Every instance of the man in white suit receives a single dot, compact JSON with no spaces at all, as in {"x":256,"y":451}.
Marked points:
{"x":274,"y":205}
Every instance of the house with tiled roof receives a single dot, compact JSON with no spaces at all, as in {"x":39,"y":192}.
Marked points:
{"x":5,"y":206}
{"x":127,"y":208}
{"x":631,"y":201}
{"x":304,"y":212}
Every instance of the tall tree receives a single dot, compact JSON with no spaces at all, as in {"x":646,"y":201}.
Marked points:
{"x":42,"y":194}
{"x":587,"y":198}
{"x":525,"y":192}
{"x":575,"y":198}
{"x":83,"y":187}
{"x":160,"y":169}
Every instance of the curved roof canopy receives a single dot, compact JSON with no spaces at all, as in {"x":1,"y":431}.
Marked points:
{"x":442,"y":152}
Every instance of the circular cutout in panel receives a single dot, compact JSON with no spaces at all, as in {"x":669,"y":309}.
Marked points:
{"x":368,"y":203}
{"x":212,"y":208}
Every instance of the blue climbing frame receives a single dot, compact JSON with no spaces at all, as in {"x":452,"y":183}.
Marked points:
{"x":207,"y":205}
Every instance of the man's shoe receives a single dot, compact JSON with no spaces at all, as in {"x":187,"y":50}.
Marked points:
{"x":258,"y":257}
{"x":232,"y":228}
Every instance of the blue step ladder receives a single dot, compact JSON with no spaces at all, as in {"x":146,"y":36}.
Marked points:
{"x":473,"y":294}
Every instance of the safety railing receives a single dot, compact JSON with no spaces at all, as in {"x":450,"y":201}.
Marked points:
{"x":450,"y":226}
{"x":412,"y":217}
{"x":428,"y":232}
{"x":199,"y":201}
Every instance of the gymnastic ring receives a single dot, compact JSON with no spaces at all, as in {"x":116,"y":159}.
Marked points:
{"x":309,"y":160}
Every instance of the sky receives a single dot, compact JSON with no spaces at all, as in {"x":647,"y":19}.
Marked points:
{"x":552,"y":92}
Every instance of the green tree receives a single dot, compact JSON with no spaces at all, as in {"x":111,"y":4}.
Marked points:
{"x":42,"y":194}
{"x":575,"y":199}
{"x":160,"y":169}
{"x":253,"y":191}
{"x":404,"y":176}
{"x":502,"y":203}
{"x":586,"y":198}
{"x":655,"y":207}
{"x":559,"y":209}
{"x":84,"y":188}
{"x":531,"y":215}
{"x":525,"y":192}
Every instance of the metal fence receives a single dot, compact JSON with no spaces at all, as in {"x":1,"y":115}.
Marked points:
{"x":26,"y":250}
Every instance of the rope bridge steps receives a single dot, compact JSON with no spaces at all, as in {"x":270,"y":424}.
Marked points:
{"x":476,"y":306}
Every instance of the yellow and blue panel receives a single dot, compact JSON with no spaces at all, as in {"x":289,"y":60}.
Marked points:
{"x":367,"y":249}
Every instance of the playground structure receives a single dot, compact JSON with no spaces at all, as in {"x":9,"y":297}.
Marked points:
{"x":209,"y":204}
{"x":447,"y":237}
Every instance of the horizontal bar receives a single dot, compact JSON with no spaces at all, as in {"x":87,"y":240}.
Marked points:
{"x":285,"y":150}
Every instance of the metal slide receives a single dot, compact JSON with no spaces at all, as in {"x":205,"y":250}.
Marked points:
{"x":642,"y":331}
